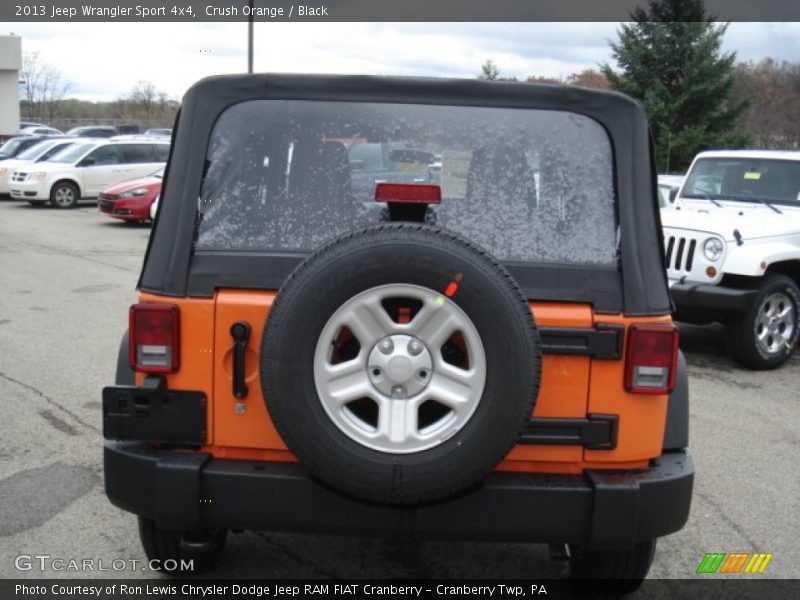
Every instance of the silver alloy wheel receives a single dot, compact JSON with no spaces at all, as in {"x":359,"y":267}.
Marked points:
{"x":775,"y":323}
{"x":399,"y":394}
{"x":64,"y":196}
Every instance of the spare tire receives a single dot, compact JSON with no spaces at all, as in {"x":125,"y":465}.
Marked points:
{"x":400,"y":363}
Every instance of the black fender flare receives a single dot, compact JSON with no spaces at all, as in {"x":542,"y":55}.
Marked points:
{"x":125,"y":375}
{"x":676,"y":430}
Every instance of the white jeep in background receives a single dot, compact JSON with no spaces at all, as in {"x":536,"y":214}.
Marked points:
{"x":732,"y":250}
{"x":668,"y":187}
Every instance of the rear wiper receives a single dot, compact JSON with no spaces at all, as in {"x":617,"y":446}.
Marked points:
{"x":704,"y":197}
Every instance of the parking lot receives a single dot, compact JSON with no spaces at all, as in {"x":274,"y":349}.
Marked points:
{"x":67,"y":278}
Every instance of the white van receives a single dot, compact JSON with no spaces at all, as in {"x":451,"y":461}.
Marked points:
{"x":83,"y":169}
{"x":36,"y":153}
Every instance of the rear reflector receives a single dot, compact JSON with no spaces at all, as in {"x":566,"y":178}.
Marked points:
{"x":652,"y":358}
{"x":154,"y":335}
{"x":408,"y":193}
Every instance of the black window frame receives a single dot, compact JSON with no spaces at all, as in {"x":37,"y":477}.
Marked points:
{"x":637,"y":288}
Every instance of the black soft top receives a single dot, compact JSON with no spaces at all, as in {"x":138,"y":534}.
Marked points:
{"x":637,"y":288}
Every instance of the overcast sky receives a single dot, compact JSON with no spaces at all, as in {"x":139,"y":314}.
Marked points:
{"x":103,"y":61}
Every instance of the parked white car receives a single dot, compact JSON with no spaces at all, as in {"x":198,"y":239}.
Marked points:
{"x":41,"y":130}
{"x":668,"y":187}
{"x":37,"y":153}
{"x":82,"y":170}
{"x":732,"y":249}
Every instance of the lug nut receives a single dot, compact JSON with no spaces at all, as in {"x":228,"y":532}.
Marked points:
{"x":386,"y":346}
{"x":414,"y":347}
{"x":398,"y":390}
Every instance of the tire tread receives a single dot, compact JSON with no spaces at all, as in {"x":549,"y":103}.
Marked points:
{"x":359,"y":240}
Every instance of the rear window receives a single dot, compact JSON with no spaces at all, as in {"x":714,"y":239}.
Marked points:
{"x":745,"y":179}
{"x":527,"y":185}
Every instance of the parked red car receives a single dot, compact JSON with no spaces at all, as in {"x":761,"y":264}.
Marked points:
{"x":131,"y":200}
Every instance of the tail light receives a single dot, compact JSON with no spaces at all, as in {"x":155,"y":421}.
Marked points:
{"x":154,"y":338}
{"x":408,"y":193}
{"x":652,"y":358}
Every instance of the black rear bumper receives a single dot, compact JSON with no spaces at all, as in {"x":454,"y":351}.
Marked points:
{"x":606,"y":510}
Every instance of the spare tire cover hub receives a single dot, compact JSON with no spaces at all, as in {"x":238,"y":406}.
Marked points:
{"x":398,"y":370}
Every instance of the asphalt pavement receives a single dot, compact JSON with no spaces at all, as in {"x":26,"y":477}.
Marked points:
{"x":66,"y":281}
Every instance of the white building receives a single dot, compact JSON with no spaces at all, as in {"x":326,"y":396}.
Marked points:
{"x":10,"y":64}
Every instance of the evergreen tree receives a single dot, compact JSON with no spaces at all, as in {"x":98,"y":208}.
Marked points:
{"x":670,"y":59}
{"x":489,"y":71}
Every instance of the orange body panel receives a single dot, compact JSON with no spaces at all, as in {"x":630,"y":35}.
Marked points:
{"x":254,"y":428}
{"x":563,"y":389}
{"x":571,"y":386}
{"x":196,"y":372}
{"x":641,"y":431}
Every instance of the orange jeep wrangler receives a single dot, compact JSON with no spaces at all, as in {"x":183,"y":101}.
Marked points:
{"x":404,"y":307}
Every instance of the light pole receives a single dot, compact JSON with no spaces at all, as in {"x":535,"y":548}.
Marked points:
{"x":250,"y":38}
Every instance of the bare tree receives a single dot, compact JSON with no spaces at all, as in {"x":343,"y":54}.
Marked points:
{"x":146,"y":104}
{"x":43,"y":88}
{"x":773,"y":89}
{"x":543,"y":79}
{"x":589,"y":78}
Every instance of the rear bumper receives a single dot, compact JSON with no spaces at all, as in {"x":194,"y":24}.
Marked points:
{"x":691,"y":296}
{"x":605,"y":510}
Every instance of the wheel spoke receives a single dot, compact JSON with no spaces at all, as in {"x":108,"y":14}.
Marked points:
{"x":347,"y":381}
{"x":433,"y":324}
{"x":397,"y":420}
{"x":451,"y":386}
{"x":368,"y":321}
{"x":785,"y":314}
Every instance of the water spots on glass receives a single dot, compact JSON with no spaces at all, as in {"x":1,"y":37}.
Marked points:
{"x":526,"y":185}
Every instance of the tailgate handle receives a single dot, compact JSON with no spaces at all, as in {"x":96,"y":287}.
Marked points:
{"x":240,"y":332}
